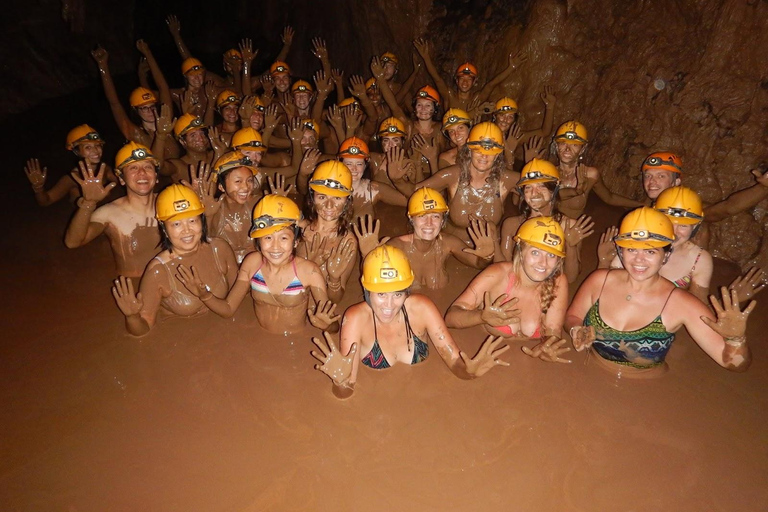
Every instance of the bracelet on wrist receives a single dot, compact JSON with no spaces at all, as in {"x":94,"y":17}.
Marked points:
{"x":736,"y":341}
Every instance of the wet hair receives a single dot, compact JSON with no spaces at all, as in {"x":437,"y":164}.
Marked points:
{"x":165,"y":242}
{"x":525,"y":209}
{"x":437,"y":115}
{"x":345,"y":219}
{"x":463,"y":159}
{"x":547,"y":289}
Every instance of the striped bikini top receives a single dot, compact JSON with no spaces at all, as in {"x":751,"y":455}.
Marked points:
{"x":685,"y":281}
{"x":258,"y":284}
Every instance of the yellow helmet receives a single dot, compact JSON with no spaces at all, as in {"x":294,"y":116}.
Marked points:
{"x":187,"y":123}
{"x":467,"y":69}
{"x":347,"y":102}
{"x":645,"y":228}
{"x":233,"y":53}
{"x":453,"y":117}
{"x":538,"y":171}
{"x":681,"y":204}
{"x":389,"y":57}
{"x":663,"y":160}
{"x":426,"y":200}
{"x":258,"y":104}
{"x":332,"y":178}
{"x":370,"y":84}
{"x":544,"y":233}
{"x":392,"y":127}
{"x":310,"y":124}
{"x":279,"y":68}
{"x":486,"y":138}
{"x":192,"y":66}
{"x":354,"y":148}
{"x":301,"y":86}
{"x":386,"y":269}
{"x":505,"y":105}
{"x":572,"y":132}
{"x":132,"y":152}
{"x":248,"y":138}
{"x":141,"y":97}
{"x":82,"y":133}
{"x":272,"y":214}
{"x":227,"y":97}
{"x":233,"y":160}
{"x":177,"y":202}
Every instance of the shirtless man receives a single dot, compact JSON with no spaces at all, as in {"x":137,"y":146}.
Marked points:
{"x":427,"y":248}
{"x":86,"y":144}
{"x":228,"y":105}
{"x":478,"y":185}
{"x":578,"y":180}
{"x":190,"y":131}
{"x":128,"y":222}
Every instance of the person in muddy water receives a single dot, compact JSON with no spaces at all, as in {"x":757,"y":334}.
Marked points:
{"x":88,"y":146}
{"x":533,"y":282}
{"x":279,"y":281}
{"x":629,"y":317}
{"x":128,"y":222}
{"x":197,"y":140}
{"x":185,"y":244}
{"x":507,"y":118}
{"x":391,"y":136}
{"x":538,"y":185}
{"x":477,"y":185}
{"x":578,"y":179}
{"x":427,"y":248}
{"x":456,"y":126}
{"x":228,"y":106}
{"x":326,"y":237}
{"x":394,"y":326}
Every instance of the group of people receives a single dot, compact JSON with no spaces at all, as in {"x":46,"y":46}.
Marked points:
{"x":269,"y":186}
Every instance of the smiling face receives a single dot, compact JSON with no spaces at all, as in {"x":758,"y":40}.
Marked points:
{"x":427,"y":226}
{"x":308,"y":139}
{"x":642,"y":264}
{"x":277,"y":247}
{"x":504,"y":120}
{"x":424,"y":109}
{"x":656,"y":181}
{"x":282,"y":82}
{"x":386,"y":306}
{"x":184,"y":234}
{"x":229,"y":113}
{"x":537,"y":196}
{"x":195,"y":80}
{"x":196,"y":140}
{"x":481,"y":162}
{"x":458,"y":134}
{"x":374,"y":95}
{"x":329,"y":208}
{"x":238,"y":185}
{"x":465,"y":82}
{"x":140,"y":177}
{"x":90,"y":151}
{"x":568,"y":153}
{"x":301,"y":100}
{"x":538,"y":264}
{"x":683,"y":233}
{"x":257,"y":119}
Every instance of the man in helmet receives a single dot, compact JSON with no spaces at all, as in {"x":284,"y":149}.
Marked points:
{"x":576,"y":179}
{"x":428,"y":247}
{"x":128,"y":222}
{"x":88,"y":146}
{"x":478,"y":185}
{"x":191,"y":133}
{"x":505,"y":115}
{"x":466,"y":79}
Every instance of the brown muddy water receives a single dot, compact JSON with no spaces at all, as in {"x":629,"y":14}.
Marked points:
{"x":216,"y":415}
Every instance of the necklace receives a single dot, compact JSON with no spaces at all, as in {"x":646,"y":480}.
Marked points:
{"x":629,"y":296}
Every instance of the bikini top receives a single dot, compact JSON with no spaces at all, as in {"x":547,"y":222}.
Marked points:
{"x":685,"y":281}
{"x":375,"y":358}
{"x":258,"y":284}
{"x":505,"y":328}
{"x":640,"y":348}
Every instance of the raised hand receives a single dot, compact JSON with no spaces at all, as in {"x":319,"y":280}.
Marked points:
{"x":486,"y":358}
{"x":483,"y":238}
{"x":174,"y":26}
{"x":549,"y":350}
{"x":396,"y":163}
{"x":268,"y":84}
{"x":324,"y":315}
{"x":192,"y":282}
{"x":340,"y":258}
{"x":422,"y":46}
{"x":210,"y":91}
{"x":510,"y":143}
{"x":337,"y":75}
{"x":142,"y":46}
{"x":309,"y":161}
{"x":316,"y":249}
{"x":246,"y":109}
{"x":761,"y":177}
{"x":323,"y":83}
{"x":92,"y":186}
{"x":319,"y":49}
{"x":278,"y":185}
{"x":367,"y":232}
{"x":205,"y":185}
{"x":377,"y":68}
{"x":295,"y":130}
{"x":35,"y":175}
{"x":333,"y":116}
{"x":188,"y":101}
{"x":424,"y":146}
{"x":287,"y":36}
{"x":579,"y":230}
{"x":582,"y":337}
{"x":164,"y":122}
{"x":101,"y":57}
{"x":533,"y":148}
{"x":606,"y":249}
{"x":270,"y":117}
{"x":246,"y":50}
{"x":515,"y":59}
{"x":357,"y":86}
{"x":130,"y":303}
{"x":548,"y":96}
{"x":336,"y":366}
{"x":748,"y":285}
{"x":731,"y":321}
{"x":499,"y":311}
{"x":353,"y":118}
{"x":217,"y":143}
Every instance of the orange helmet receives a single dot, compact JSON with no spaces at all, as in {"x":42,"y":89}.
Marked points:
{"x":429,"y":93}
{"x":370,"y":84}
{"x":279,"y":68}
{"x":233,"y":53}
{"x":309,"y":124}
{"x":392,"y":127}
{"x":80,"y":134}
{"x":192,"y":66}
{"x":467,"y":69}
{"x":141,"y":97}
{"x":354,"y":148}
{"x":663,"y":161}
{"x":389,"y":57}
{"x":486,"y":138}
{"x":301,"y":86}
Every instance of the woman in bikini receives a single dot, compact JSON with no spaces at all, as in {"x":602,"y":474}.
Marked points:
{"x":629,"y":317}
{"x":533,"y":282}
{"x":279,"y":281}
{"x":185,"y":242}
{"x":393,"y":326}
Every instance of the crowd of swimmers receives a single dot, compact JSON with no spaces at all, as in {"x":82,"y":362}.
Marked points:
{"x":268,"y":185}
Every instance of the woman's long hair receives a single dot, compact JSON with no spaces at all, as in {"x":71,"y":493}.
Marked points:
{"x":547,"y":288}
{"x":345,"y":220}
{"x":464,"y":158}
{"x":165,"y":242}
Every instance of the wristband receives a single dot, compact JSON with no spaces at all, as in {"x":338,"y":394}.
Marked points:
{"x":736,"y":341}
